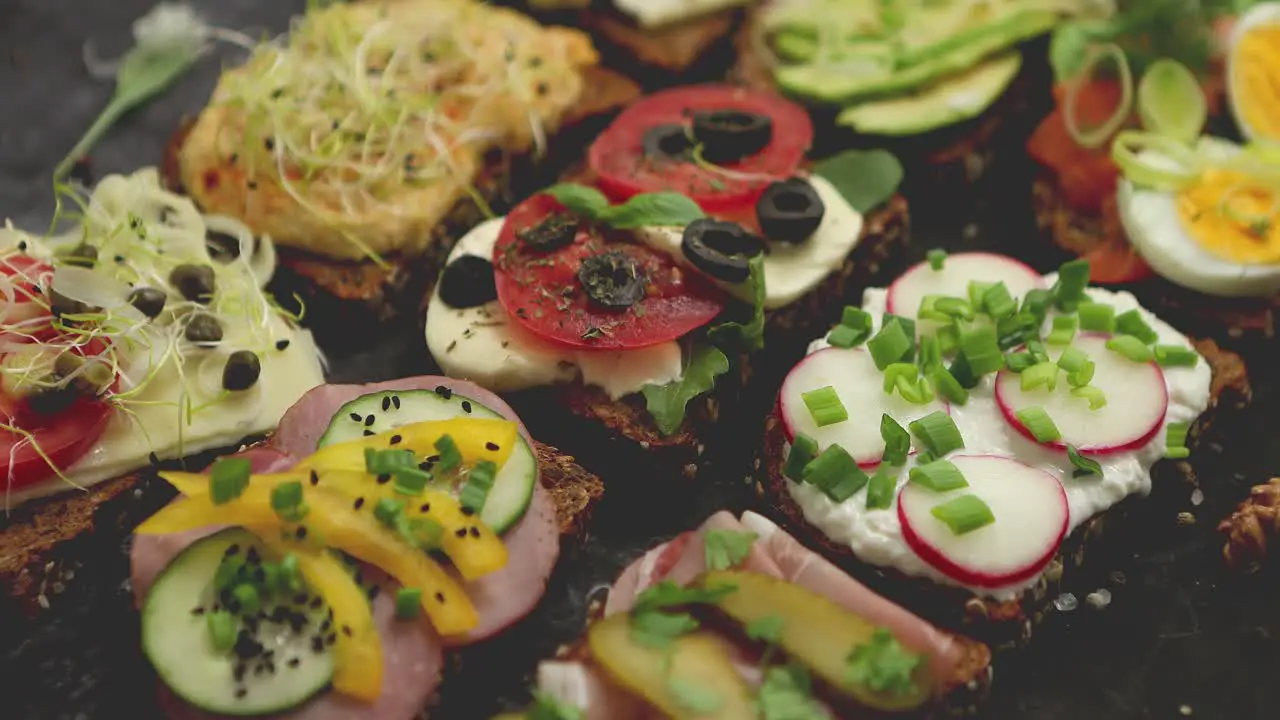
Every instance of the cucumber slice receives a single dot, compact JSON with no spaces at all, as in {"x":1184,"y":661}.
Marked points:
{"x":244,"y":680}
{"x":512,"y":488}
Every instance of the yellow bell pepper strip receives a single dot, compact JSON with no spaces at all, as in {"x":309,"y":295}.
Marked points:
{"x":473,"y":548}
{"x":357,"y":656}
{"x":477,"y":439}
{"x":333,"y":523}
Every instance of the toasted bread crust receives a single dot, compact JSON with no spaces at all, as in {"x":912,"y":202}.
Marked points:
{"x":674,"y":48}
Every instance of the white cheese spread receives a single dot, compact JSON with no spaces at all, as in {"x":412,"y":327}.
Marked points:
{"x":656,"y":13}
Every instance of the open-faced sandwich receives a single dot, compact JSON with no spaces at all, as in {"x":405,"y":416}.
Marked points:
{"x":372,"y":134}
{"x":925,"y":71}
{"x":709,"y":231}
{"x":964,"y":435}
{"x":297,"y":579}
{"x":139,"y":334}
{"x":739,"y":621}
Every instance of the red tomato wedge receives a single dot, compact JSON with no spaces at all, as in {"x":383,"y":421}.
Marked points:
{"x":618,"y":159}
{"x":1116,"y":262}
{"x":1085,"y":177}
{"x":541,"y":290}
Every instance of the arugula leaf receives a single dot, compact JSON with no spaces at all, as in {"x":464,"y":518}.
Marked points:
{"x":726,"y":548}
{"x":581,"y":199}
{"x":766,"y":629}
{"x":666,"y":403}
{"x":546,"y":707}
{"x":667,"y":594}
{"x":656,"y":629}
{"x":658,"y":208}
{"x":693,"y":697}
{"x":866,"y":178}
{"x":787,"y":694}
{"x":882,"y":665}
{"x":748,"y":336}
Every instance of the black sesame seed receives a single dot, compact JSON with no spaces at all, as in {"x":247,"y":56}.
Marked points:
{"x":356,"y":417}
{"x":232,"y":549}
{"x":444,"y":392}
{"x":426,"y":508}
{"x":369,"y":421}
{"x":346,"y":630}
{"x":461,"y":532}
{"x":316,"y":602}
{"x":395,"y":439}
{"x":300,"y":599}
{"x":317,"y":644}
{"x":197,"y":611}
{"x":369,"y":433}
{"x":475,"y":531}
{"x":333,"y":638}
{"x":384,"y":479}
{"x":440,"y":598}
{"x":386,"y":403}
{"x":259,"y":669}
{"x":253,"y":184}
{"x":433,"y":458}
{"x":359,"y":503}
{"x":395,"y":400}
{"x":293,"y":662}
{"x":252,"y":556}
{"x":466,"y":406}
{"x":269,"y":144}
{"x":119,"y":258}
{"x":301,"y":532}
{"x":238,"y":672}
{"x":491,"y":446}
{"x":246,"y":647}
{"x":282,"y":345}
{"x":315,"y":478}
{"x":324,"y":626}
{"x":241,"y":692}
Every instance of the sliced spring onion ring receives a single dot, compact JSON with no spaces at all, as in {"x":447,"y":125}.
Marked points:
{"x":1183,"y":168}
{"x":1098,"y":135}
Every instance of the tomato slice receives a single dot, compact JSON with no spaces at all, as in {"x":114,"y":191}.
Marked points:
{"x":618,"y":159}
{"x":1116,"y":261}
{"x":541,"y":290}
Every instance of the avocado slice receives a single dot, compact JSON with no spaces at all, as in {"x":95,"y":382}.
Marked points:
{"x":815,"y":632}
{"x":694,"y":664}
{"x":951,"y":100}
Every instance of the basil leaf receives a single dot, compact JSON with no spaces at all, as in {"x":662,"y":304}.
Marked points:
{"x":749,"y":335}
{"x":581,"y":199}
{"x":866,"y":178}
{"x":659,"y":208}
{"x":666,"y":403}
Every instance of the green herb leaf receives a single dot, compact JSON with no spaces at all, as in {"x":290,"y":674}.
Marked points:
{"x":667,"y":403}
{"x":659,"y":208}
{"x":883,"y":665}
{"x":656,"y":629}
{"x":766,"y":629}
{"x":693,"y":697}
{"x":866,"y":178}
{"x":787,"y":694}
{"x":1084,"y":466}
{"x":667,"y":594}
{"x":727,"y":548}
{"x":745,"y":336}
{"x":581,"y":199}
{"x":547,"y":707}
{"x":1146,"y":30}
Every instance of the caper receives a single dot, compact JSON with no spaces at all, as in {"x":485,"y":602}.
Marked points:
{"x":148,"y":301}
{"x":82,"y":255}
{"x":204,"y":329}
{"x":242,"y":371}
{"x":62,"y":305}
{"x":194,"y":282}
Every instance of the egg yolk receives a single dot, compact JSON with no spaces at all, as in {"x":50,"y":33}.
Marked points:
{"x":1232,"y":217}
{"x":1256,"y":79}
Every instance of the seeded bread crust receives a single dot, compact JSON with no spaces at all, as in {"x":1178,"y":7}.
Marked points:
{"x":1007,"y":624}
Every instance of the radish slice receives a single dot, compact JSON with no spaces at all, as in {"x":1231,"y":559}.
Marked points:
{"x":1030,"y":509}
{"x":1137,"y":400}
{"x":953,"y":280}
{"x":860,"y":386}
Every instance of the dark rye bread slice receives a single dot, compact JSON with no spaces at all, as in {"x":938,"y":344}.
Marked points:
{"x":695,"y":50}
{"x":345,"y":302}
{"x":42,"y":540}
{"x":1007,"y":624}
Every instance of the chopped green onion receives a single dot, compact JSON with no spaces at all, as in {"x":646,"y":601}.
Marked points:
{"x":1019,"y":361}
{"x":1036,"y":303}
{"x":290,"y":574}
{"x":938,"y":476}
{"x":964,"y":514}
{"x":930,"y":354}
{"x":222,"y":630}
{"x":229,"y":572}
{"x":825,"y":406}
{"x":843,"y":336}
{"x":929,"y":311}
{"x":803,"y":450}
{"x":421,"y":532}
{"x":479,"y":482}
{"x":408,"y":603}
{"x":835,"y":473}
{"x":909,"y":371}
{"x":1097,"y":317}
{"x":1016,"y":329}
{"x":1175,"y":443}
{"x":937,"y":257}
{"x":450,"y":456}
{"x":1130,"y":347}
{"x":891,"y":345}
{"x":948,"y":339}
{"x":387,"y":462}
{"x":1039,"y":424}
{"x":388,"y":511}
{"x":963,"y":374}
{"x":1084,"y":466}
{"x":908,"y":327}
{"x":981,"y":350}
{"x":1078,"y":366}
{"x":938,"y":432}
{"x":1175,"y":356}
{"x":1097,"y":400}
{"x":1063,"y":332}
{"x":227,"y":479}
{"x":897,"y":443}
{"x":881,"y":487}
{"x":247,"y":597}
{"x":856,"y":318}
{"x":954,"y":307}
{"x":1073,"y":278}
{"x":947,"y":385}
{"x":1131,"y":323}
{"x":917,"y":391}
{"x":978,"y":291}
{"x":411,"y":480}
{"x":1037,"y":350}
{"x":1043,"y":374}
{"x":997,"y":302}
{"x":286,"y":500}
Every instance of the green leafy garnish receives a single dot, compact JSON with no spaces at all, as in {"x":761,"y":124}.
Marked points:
{"x":667,"y":403}
{"x":693,"y":697}
{"x":787,"y":694}
{"x":656,"y":629}
{"x":1084,"y":466}
{"x":582,"y":199}
{"x":667,"y":594}
{"x":866,"y":178}
{"x":658,"y":208}
{"x":1146,"y":30}
{"x":883,"y":665}
{"x":727,"y":548}
{"x":745,"y":336}
{"x":766,"y":629}
{"x":546,"y":707}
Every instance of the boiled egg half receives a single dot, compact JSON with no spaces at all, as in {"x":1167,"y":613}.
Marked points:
{"x":1253,"y":72}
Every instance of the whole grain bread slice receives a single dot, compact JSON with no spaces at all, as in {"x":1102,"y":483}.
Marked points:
{"x":1001,"y":624}
{"x":691,"y":49}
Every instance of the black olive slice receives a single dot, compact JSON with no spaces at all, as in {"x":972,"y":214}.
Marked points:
{"x":223,"y":247}
{"x":789,"y":210}
{"x":195,"y":282}
{"x":204,"y":329}
{"x":148,"y":301}
{"x":241,"y":371}
{"x":468,"y":282}
{"x":612,"y":279}
{"x":552,"y":233}
{"x":729,"y":135}
{"x":721,"y":249}
{"x":670,"y":142}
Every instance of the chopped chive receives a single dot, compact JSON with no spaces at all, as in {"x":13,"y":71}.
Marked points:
{"x":938,"y":432}
{"x":1016,"y":329}
{"x":803,"y":450}
{"x":290,"y":574}
{"x":908,"y":328}
{"x":938,"y":476}
{"x":387,"y":462}
{"x":843,"y":336}
{"x":1131,"y":323}
{"x":825,"y":406}
{"x":897,"y":442}
{"x":1097,"y":317}
{"x":963,"y":374}
{"x":964,"y":514}
{"x":835,"y":473}
{"x":890,"y":345}
{"x":1063,"y":332}
{"x":930,"y":354}
{"x":408,"y":603}
{"x":1175,"y":356}
{"x":411,"y":480}
{"x":1175,"y":443}
{"x":1097,"y":400}
{"x":286,"y":500}
{"x":247,"y":597}
{"x":1078,"y":366}
{"x":907,"y":371}
{"x":1073,"y":278}
{"x":981,"y":350}
{"x":937,"y":258}
{"x":479,"y":483}
{"x":1037,"y":350}
{"x":422,"y":532}
{"x":997,"y":302}
{"x":1083,"y":466}
{"x":1043,"y":374}
{"x":1039,"y":424}
{"x":944,"y":308}
{"x":227,"y":479}
{"x":881,"y":487}
{"x":929,"y":310}
{"x":450,"y":456}
{"x":947,"y":385}
{"x":919,"y":392}
{"x":388,"y":511}
{"x":1130,"y":347}
{"x":1036,"y":303}
{"x":948,"y":339}
{"x":978,"y":291}
{"x":856,"y":318}
{"x":222,"y":629}
{"x":1019,"y":361}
